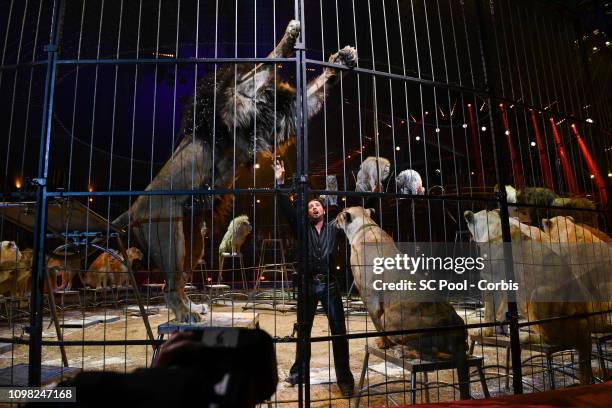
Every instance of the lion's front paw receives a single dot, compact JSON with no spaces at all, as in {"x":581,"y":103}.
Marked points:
{"x":382,"y":342}
{"x":293,"y":29}
{"x":187,"y":316}
{"x":347,"y":56}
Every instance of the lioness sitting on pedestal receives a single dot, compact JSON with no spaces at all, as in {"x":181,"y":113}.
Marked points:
{"x":543,"y":274}
{"x":368,"y":239}
{"x":107,"y":269}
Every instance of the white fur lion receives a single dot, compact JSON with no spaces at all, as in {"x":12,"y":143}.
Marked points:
{"x":237,"y":232}
{"x":331,"y":184}
{"x":372,"y":172}
{"x":409,"y":182}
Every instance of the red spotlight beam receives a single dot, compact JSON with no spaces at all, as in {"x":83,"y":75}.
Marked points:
{"x":567,"y":168}
{"x":475,"y":147}
{"x":546,"y":173}
{"x":519,"y":180}
{"x":597,"y":177}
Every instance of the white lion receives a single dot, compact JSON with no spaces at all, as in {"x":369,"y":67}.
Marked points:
{"x":409,"y":182}
{"x":331,"y":184}
{"x":237,"y":232}
{"x":372,"y":172}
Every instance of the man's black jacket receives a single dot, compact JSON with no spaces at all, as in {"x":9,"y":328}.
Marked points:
{"x":323,"y":246}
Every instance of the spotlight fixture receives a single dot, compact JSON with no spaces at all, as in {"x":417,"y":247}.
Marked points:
{"x":592,"y":176}
{"x":484,"y":128}
{"x":507,"y":133}
{"x":589,"y":120}
{"x":437,"y":130}
{"x":465,"y":125}
{"x":397,"y":148}
{"x":256,"y":165}
{"x":418,"y":138}
{"x":533,"y":144}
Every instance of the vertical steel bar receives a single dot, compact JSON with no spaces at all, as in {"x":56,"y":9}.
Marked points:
{"x":38,"y":260}
{"x":301,"y":111}
{"x":486,"y":25}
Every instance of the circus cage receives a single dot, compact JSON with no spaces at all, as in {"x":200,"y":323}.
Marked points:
{"x":134,"y":132}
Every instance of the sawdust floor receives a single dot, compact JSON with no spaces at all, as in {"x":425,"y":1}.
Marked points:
{"x":325,"y":393}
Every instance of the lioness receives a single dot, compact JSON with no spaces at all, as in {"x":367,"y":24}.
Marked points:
{"x":388,"y":315}
{"x":538,"y":266}
{"x":107,"y":268}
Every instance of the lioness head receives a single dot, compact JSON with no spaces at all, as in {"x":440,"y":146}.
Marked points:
{"x":560,"y":228}
{"x":351,"y":218}
{"x":483,"y":225}
{"x":133,"y":254}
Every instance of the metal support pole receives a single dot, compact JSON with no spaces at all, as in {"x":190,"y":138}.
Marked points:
{"x":38,"y":255}
{"x":486,"y":33}
{"x":301,"y":184}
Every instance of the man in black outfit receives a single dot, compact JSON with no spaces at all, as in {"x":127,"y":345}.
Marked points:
{"x":322,"y":252}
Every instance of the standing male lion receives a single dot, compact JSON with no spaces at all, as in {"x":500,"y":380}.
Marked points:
{"x":233,"y":113}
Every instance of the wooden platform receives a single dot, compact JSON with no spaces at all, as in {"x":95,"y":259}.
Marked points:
{"x":214,"y":319}
{"x":88,"y":321}
{"x":17,"y":375}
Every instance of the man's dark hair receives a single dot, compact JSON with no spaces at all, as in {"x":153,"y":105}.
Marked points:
{"x":317,"y":199}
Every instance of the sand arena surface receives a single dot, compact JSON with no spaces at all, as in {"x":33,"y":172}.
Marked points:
{"x":323,"y":388}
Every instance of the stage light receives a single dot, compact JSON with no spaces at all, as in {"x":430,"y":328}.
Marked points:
{"x":348,"y":157}
{"x":589,"y":120}
{"x":343,"y":198}
{"x":484,"y":128}
{"x":426,"y":113}
{"x":465,"y":125}
{"x":418,"y":138}
{"x":437,"y":130}
{"x":90,"y":188}
{"x":338,"y":267}
{"x":472,"y":173}
{"x":592,"y":176}
{"x":402,"y":121}
{"x":258,"y":201}
{"x":469,"y":105}
{"x":595,"y":48}
{"x":397,"y":148}
{"x":507,"y":133}
{"x":533,"y":144}
{"x":256,"y":165}
{"x":18,"y":183}
{"x":90,"y":200}
{"x":438,"y":171}
{"x":610,"y":175}
{"x":608,"y":43}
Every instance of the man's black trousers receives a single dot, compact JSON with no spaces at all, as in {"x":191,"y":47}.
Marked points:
{"x":329,"y":296}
